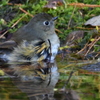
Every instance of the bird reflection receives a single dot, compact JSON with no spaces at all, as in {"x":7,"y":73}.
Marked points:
{"x":37,"y":79}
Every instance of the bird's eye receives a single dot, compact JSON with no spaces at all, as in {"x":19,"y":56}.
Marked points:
{"x":46,"y":23}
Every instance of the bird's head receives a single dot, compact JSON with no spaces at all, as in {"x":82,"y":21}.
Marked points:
{"x":43,"y":22}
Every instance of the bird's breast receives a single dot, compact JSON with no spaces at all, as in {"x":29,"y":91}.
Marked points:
{"x":54,"y":51}
{"x":55,"y":43}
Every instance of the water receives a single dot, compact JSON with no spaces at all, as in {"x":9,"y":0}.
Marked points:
{"x":30,"y":83}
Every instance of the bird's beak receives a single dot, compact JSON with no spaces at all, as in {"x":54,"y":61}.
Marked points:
{"x":54,"y":18}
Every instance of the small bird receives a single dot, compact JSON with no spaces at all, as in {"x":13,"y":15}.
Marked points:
{"x":39,"y":31}
{"x":41,"y":28}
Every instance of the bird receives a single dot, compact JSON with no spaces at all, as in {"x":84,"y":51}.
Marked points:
{"x":41,"y":28}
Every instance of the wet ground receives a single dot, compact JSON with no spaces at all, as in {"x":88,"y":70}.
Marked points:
{"x":83,"y":85}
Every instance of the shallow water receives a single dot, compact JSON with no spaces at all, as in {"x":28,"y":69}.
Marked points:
{"x":83,"y":85}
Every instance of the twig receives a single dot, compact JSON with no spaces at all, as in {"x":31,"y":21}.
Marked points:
{"x":79,"y":64}
{"x":83,"y":5}
{"x":71,"y":17}
{"x":1,"y":77}
{"x":97,"y":54}
{"x":25,"y":12}
{"x":92,"y":44}
{"x":86,"y":28}
{"x":18,"y":21}
{"x":35,"y":94}
{"x":82,"y":49}
{"x":15,"y":4}
{"x":13,"y":26}
{"x":58,"y":31}
{"x":66,"y":83}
